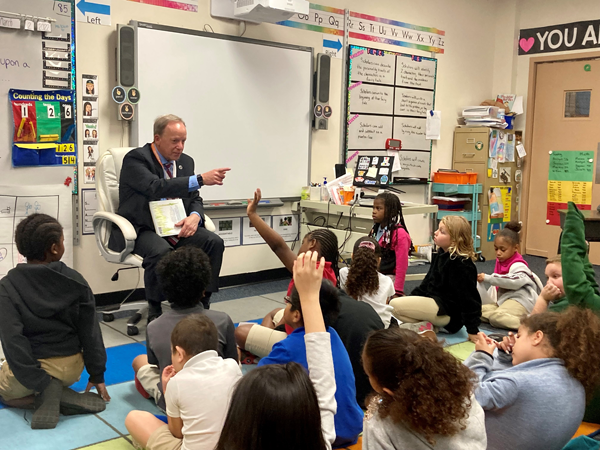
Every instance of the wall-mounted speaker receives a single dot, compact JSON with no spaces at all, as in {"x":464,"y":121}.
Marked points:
{"x":125,"y":55}
{"x":322,"y":110}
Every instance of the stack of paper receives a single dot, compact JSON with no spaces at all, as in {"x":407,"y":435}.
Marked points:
{"x":482,"y":116}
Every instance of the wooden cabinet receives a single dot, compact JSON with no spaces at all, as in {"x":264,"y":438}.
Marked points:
{"x":471,"y":154}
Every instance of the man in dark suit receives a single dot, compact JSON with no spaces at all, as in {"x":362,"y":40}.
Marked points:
{"x":157,"y":171}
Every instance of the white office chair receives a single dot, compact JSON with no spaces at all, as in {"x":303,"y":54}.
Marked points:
{"x":108,"y":171}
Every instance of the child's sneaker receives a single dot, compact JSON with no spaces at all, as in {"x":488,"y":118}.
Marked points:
{"x":418,"y":327}
{"x":248,"y":358}
{"x":428,"y":334}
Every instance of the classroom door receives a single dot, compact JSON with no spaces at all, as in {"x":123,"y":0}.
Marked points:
{"x":566,"y":118}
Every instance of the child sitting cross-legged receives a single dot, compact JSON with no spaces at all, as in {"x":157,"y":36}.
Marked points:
{"x":534,"y":390}
{"x":183,"y":275}
{"x":515,"y":287}
{"x":197,"y":389}
{"x":48,"y":329}
{"x":349,"y":416}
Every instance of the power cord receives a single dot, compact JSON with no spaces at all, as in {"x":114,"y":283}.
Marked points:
{"x":208,"y":26}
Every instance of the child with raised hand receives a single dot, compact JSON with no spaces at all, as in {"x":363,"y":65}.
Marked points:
{"x":363,"y":282}
{"x":514,"y":285}
{"x":349,"y":416}
{"x":197,"y":389}
{"x":539,"y":402}
{"x":423,"y":396}
{"x":259,"y":339}
{"x":447,"y":296}
{"x":287,"y":405}
{"x":392,"y":235}
{"x":355,"y":321}
{"x":48,"y":329}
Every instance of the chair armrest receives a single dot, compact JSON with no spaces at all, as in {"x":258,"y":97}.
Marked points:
{"x":102,"y":223}
{"x":209,"y":224}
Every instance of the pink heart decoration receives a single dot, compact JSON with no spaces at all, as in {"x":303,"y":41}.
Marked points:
{"x":526,"y":44}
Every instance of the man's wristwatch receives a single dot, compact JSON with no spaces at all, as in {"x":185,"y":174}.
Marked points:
{"x":200,"y":180}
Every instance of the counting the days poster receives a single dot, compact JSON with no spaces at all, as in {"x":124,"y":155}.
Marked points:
{"x":44,"y":128}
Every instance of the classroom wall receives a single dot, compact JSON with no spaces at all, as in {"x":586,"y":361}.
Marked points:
{"x":467,"y":73}
{"x":539,"y":13}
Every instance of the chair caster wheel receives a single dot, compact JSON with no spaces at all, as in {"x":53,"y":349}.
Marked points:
{"x":108,"y":317}
{"x":132,"y":330}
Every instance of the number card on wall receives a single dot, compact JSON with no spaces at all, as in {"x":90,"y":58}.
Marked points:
{"x":44,"y":128}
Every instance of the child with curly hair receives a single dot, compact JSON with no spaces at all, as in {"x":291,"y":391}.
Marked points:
{"x":364,"y":283}
{"x":424,"y":396}
{"x":447,"y":296}
{"x":555,"y":361}
{"x":391,"y":233}
{"x":515,"y":287}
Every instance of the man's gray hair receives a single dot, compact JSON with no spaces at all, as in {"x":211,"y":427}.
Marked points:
{"x":161,"y":123}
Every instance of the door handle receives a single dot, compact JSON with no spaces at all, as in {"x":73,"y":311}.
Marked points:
{"x":468,"y":155}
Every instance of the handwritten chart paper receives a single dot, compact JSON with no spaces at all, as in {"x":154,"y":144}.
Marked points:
{"x":369,"y":132}
{"x":570,"y":179}
{"x":371,"y":68}
{"x":374,"y":99}
{"x":416,"y":74}
{"x":411,"y":102}
{"x":389,"y":96}
{"x":19,"y":202}
{"x":412,"y":133}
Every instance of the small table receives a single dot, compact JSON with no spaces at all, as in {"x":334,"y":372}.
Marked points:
{"x":591,"y":220}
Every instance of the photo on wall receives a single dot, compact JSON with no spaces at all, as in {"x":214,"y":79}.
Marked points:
{"x":90,"y":107}
{"x":90,"y":152}
{"x":89,"y":84}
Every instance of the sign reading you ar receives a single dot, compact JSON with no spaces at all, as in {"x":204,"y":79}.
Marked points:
{"x":560,"y":38}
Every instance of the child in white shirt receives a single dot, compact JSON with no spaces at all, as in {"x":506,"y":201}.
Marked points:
{"x":363,"y":282}
{"x":197,"y":389}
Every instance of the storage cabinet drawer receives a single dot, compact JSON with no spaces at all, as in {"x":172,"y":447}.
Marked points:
{"x":479,"y":168}
{"x":471,"y":146}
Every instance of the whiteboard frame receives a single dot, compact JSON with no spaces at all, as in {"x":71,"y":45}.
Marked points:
{"x":134,"y":135}
{"x":349,"y":151}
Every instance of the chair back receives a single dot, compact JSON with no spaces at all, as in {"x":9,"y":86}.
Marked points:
{"x":108,"y":172}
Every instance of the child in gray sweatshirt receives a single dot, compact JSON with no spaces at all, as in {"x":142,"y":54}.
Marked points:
{"x":424,"y":396}
{"x":539,"y":402}
{"x":515,"y":287}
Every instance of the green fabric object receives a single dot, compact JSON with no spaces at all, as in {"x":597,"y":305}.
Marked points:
{"x":582,"y":443}
{"x":578,"y":274}
{"x":560,"y":305}
{"x":48,"y":120}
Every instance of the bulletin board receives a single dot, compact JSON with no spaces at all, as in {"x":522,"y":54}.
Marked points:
{"x":389,"y":96}
{"x":37,"y":61}
{"x":570,"y":179}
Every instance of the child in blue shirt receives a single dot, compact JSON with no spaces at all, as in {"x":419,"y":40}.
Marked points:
{"x":349,"y":417}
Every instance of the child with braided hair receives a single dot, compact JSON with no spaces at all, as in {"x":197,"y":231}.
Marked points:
{"x":353,"y":324}
{"x":364,"y":283}
{"x":392,"y":235}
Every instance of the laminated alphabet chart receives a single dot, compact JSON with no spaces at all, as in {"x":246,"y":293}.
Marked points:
{"x":389,"y":96}
{"x":18,"y":202}
{"x":43,"y":128}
